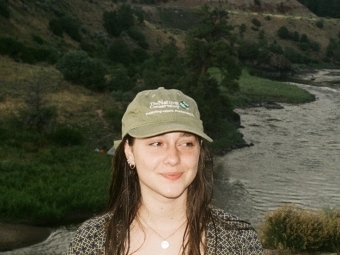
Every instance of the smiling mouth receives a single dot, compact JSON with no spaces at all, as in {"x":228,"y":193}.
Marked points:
{"x":172,"y":176}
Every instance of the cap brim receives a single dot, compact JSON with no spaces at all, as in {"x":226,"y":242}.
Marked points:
{"x":152,"y":130}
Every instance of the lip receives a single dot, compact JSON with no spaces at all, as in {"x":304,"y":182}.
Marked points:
{"x":172,"y":176}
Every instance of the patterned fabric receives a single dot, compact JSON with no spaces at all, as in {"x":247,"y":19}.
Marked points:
{"x":226,"y":235}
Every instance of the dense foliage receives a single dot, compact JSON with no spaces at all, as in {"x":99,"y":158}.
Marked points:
{"x":79,"y":68}
{"x":322,"y":8}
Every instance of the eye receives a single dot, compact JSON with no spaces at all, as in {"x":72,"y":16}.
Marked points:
{"x":188,"y":143}
{"x":155,"y":144}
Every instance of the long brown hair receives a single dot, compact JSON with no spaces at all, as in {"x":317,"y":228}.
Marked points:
{"x":125,"y":200}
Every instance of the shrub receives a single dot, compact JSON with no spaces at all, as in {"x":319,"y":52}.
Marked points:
{"x":248,"y":51}
{"x":121,"y":81}
{"x":304,"y":38}
{"x":79,"y":68}
{"x":120,"y":52}
{"x":138,"y":36}
{"x":115,"y":22}
{"x":291,"y":228}
{"x":256,"y":22}
{"x":294,"y":56}
{"x":71,"y":25}
{"x":66,"y":136}
{"x":295,"y":36}
{"x":257,"y":2}
{"x":242,"y":29}
{"x":114,"y":115}
{"x":319,"y":24}
{"x":262,"y":34}
{"x":283,"y":32}
{"x":276,"y":48}
{"x":4,"y":9}
{"x":56,"y":27}
{"x":140,"y":55}
{"x":68,"y":24}
{"x":38,"y":39}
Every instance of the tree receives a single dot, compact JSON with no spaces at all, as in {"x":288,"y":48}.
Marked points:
{"x":209,"y":45}
{"x":79,"y":68}
{"x":115,"y":22}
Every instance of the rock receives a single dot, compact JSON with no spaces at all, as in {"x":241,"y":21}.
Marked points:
{"x":18,"y":236}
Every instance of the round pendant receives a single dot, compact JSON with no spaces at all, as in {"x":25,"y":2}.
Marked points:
{"x":165,"y":245}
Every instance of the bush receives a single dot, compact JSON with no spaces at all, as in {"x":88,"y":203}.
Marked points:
{"x":66,"y":136}
{"x":257,"y":2}
{"x":289,"y":227}
{"x":68,"y":24}
{"x":121,"y":81}
{"x":283,"y":32}
{"x":304,"y":38}
{"x":138,"y":36}
{"x":120,"y":52}
{"x":114,"y":115}
{"x":4,"y":9}
{"x":319,"y":24}
{"x":256,"y":22}
{"x":276,"y":48}
{"x":20,"y":52}
{"x":71,"y":25}
{"x":38,"y":39}
{"x":248,"y":51}
{"x":140,"y":55}
{"x":115,"y":22}
{"x":79,"y":68}
{"x":294,"y":56}
{"x":56,"y":27}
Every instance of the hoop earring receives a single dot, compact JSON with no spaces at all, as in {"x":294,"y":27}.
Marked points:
{"x":132,"y":166}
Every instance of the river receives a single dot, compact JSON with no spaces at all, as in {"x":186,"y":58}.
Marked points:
{"x":295,"y":159}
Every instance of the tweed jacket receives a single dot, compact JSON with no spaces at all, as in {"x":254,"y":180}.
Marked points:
{"x":226,"y":235}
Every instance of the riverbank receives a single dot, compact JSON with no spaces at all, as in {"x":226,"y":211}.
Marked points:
{"x":18,"y":236}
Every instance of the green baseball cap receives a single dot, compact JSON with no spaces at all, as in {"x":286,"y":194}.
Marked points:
{"x":159,"y":111}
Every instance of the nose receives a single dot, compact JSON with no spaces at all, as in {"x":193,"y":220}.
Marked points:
{"x":172,"y":156}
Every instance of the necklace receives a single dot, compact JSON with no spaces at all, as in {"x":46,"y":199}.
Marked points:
{"x":165,"y":243}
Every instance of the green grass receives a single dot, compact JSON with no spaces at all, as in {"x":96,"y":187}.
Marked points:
{"x":52,"y":183}
{"x":255,"y":89}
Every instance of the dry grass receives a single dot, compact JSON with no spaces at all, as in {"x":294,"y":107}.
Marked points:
{"x":291,"y":229}
{"x":76,"y":105}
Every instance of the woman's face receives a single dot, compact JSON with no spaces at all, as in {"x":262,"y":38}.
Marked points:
{"x":166,"y":164}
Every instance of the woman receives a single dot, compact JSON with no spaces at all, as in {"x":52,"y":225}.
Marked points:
{"x":161,"y":190}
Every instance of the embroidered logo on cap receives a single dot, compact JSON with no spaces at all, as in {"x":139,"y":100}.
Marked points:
{"x":184,"y":105}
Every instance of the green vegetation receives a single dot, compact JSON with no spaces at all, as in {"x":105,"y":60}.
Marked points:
{"x":45,"y":187}
{"x":292,"y":229}
{"x":79,"y":68}
{"x":19,"y":51}
{"x":4,"y":9}
{"x":323,"y":8}
{"x":68,"y":24}
{"x":49,"y":168}
{"x":255,"y":89}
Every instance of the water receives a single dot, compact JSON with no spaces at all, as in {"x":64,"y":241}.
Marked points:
{"x":295,"y":158}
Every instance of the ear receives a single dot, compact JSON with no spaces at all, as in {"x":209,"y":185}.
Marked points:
{"x":129,"y":153}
